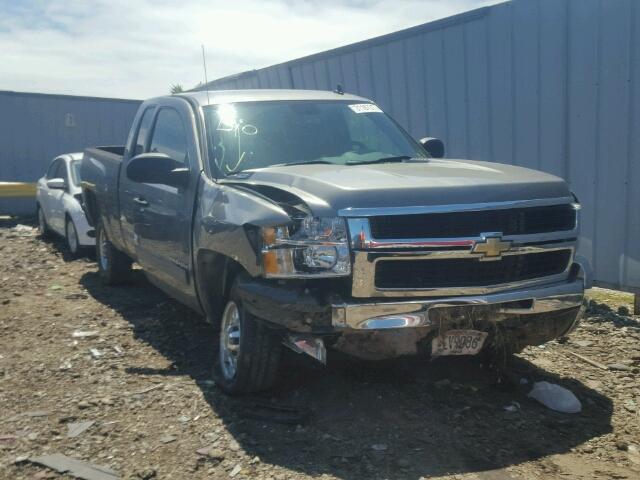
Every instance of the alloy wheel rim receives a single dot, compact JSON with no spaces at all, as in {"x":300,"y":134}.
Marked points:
{"x":72,"y":237}
{"x":102,"y":247}
{"x":230,"y":333}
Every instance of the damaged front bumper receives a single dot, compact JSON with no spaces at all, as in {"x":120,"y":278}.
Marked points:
{"x":420,"y":313}
{"x":384,"y":328}
{"x":299,"y":310}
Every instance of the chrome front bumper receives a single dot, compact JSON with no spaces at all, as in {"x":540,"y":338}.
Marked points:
{"x":415,"y":313}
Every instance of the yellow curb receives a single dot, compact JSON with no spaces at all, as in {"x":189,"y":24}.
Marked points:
{"x":17,"y":189}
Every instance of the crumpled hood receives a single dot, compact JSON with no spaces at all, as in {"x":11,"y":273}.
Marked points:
{"x":327,"y":189}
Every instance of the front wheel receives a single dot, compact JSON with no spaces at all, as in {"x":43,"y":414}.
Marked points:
{"x":114,"y":267}
{"x":71,"y":234}
{"x":249,"y":352}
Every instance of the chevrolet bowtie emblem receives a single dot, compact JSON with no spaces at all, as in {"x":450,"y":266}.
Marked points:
{"x":491,"y":248}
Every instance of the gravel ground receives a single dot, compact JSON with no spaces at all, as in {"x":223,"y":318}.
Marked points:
{"x":137,"y":365}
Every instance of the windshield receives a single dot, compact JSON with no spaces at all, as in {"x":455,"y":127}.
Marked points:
{"x":248,"y":135}
{"x":75,"y":171}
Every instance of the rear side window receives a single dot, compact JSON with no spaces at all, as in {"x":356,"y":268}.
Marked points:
{"x":143,"y":131}
{"x":170,"y":135}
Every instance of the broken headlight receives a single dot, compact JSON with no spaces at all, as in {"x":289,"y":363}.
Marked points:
{"x":313,"y":247}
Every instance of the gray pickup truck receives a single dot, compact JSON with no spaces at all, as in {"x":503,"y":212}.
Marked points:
{"x":313,"y":220}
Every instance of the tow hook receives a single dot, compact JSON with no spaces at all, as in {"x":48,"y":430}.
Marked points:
{"x":312,"y":346}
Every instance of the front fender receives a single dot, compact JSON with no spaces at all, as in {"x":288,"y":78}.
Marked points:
{"x":227,"y":221}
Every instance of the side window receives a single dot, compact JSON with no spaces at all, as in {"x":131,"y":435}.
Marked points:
{"x":143,"y":131}
{"x":53,"y":169}
{"x":169,"y":135}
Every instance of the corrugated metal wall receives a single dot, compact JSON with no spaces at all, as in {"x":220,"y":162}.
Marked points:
{"x":34,"y":128}
{"x":547,"y":84}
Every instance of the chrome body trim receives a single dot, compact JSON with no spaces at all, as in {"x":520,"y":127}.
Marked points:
{"x":462,"y":207}
{"x":408,"y":243}
{"x":415,"y":313}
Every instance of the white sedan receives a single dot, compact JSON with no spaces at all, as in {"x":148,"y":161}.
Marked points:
{"x":58,"y":198}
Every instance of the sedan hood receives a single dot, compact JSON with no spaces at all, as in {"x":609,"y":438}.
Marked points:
{"x":327,"y":189}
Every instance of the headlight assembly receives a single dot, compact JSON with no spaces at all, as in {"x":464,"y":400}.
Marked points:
{"x":315,"y":247}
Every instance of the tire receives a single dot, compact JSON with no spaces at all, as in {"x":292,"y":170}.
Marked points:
{"x":249,"y":352}
{"x":45,"y":231}
{"x":114,"y":267}
{"x":71,"y":235}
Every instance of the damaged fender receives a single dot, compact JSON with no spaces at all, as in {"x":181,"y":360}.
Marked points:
{"x":227,"y":222}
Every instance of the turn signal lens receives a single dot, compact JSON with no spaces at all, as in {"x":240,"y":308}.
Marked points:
{"x":270,"y":262}
{"x":269,"y":236}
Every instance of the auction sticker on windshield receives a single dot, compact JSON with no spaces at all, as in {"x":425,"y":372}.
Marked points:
{"x":458,"y":342}
{"x":365,"y":108}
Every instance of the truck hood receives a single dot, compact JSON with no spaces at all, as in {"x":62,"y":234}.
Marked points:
{"x":327,"y":189}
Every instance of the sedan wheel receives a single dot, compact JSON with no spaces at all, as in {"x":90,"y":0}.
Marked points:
{"x":72,"y":237}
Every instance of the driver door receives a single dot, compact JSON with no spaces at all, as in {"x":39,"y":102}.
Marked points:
{"x":163,"y":229}
{"x":131,"y":212}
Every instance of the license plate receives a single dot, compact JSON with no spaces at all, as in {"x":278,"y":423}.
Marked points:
{"x":458,"y":342}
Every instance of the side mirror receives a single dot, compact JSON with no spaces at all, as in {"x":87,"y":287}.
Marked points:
{"x":433,"y":146}
{"x":57,"y":184}
{"x":156,"y":167}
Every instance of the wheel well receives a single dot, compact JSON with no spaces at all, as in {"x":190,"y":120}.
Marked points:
{"x":67,"y":217}
{"x":215,"y":273}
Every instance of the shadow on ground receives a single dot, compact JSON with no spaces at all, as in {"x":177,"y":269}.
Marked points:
{"x":399,"y":419}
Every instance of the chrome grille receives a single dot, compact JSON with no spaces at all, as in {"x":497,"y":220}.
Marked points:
{"x":435,"y":256}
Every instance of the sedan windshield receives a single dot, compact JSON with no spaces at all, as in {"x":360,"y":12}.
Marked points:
{"x":249,"y":135}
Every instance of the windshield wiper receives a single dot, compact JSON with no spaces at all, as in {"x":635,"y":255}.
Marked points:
{"x":312,"y":162}
{"x":399,"y":158}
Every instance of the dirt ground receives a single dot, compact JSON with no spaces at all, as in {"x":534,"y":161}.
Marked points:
{"x":138,"y":364}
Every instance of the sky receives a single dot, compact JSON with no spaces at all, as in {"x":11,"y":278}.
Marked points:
{"x":139,"y":48}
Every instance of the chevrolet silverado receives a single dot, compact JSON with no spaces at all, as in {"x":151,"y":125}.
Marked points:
{"x":313,"y":220}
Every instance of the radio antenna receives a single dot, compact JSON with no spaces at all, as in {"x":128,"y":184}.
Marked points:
{"x":204,"y":64}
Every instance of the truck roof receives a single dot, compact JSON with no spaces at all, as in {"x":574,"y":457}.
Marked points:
{"x":216,"y":97}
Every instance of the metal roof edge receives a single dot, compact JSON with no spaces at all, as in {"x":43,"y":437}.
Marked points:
{"x":457,"y":19}
{"x":74,"y":97}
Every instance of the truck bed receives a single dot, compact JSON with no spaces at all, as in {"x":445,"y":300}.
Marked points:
{"x":100,"y":173}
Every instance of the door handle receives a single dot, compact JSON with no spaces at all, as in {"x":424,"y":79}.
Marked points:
{"x":141,"y":201}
